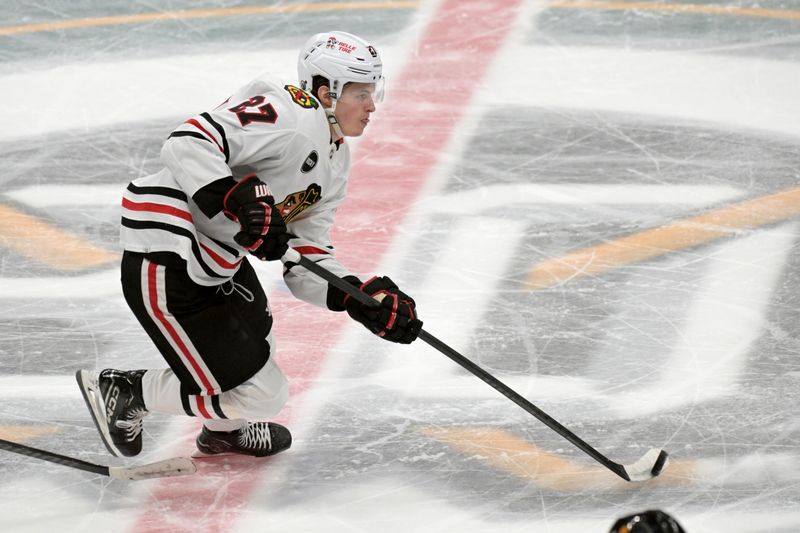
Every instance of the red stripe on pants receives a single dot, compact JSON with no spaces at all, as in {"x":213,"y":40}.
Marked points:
{"x":183,"y":350}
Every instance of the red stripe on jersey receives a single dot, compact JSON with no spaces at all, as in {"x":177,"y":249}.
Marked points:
{"x":201,"y":406}
{"x":218,"y":259}
{"x":197,"y":125}
{"x":152,"y":290}
{"x":310,"y":250}
{"x":152,"y":207}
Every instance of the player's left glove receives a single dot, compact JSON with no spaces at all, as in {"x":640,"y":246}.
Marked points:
{"x":394,"y":320}
{"x":263,"y":233}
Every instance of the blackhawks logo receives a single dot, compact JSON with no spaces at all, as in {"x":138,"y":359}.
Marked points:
{"x":299,"y":201}
{"x":302,"y":98}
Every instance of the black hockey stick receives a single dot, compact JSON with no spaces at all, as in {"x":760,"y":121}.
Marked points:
{"x":178,"y":466}
{"x":648,"y":466}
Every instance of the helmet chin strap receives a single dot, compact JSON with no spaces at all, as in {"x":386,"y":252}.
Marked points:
{"x":335,"y":128}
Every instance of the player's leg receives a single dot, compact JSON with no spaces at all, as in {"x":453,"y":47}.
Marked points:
{"x":228,"y":335}
{"x":248,"y":406}
{"x":235,"y":420}
{"x":211,"y":344}
{"x":115,"y":397}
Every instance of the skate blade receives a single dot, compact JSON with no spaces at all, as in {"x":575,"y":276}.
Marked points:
{"x":94,"y":402}
{"x":197,"y":454}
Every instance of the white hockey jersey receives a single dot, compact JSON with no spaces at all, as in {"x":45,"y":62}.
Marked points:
{"x":269,"y":128}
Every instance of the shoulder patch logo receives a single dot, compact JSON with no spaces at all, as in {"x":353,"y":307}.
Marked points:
{"x":302,"y":98}
{"x":310,"y":162}
{"x":299,"y":201}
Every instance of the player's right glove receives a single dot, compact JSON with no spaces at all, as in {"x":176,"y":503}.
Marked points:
{"x":263,"y":233}
{"x":394,"y":320}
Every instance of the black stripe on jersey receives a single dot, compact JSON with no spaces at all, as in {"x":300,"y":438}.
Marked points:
{"x":221,"y":131}
{"x":189,"y":134}
{"x":217,"y":407}
{"x":177,"y":230}
{"x":187,"y":408}
{"x":163,"y":191}
{"x":230,"y":249}
{"x":209,"y":197}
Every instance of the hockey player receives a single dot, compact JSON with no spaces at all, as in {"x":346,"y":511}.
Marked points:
{"x":263,"y":171}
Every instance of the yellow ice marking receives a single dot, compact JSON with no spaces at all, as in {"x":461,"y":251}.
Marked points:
{"x":701,"y":9}
{"x":38,"y":240}
{"x":660,"y":241}
{"x":509,"y":453}
{"x":386,"y":5}
{"x":25,"y":433}
{"x":205,"y":13}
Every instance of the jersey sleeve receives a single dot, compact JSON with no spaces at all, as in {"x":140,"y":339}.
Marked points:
{"x":313,"y":241}
{"x":253,"y":124}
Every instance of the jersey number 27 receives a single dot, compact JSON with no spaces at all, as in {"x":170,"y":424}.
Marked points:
{"x":261,"y":113}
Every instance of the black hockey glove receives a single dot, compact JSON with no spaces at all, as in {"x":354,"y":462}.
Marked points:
{"x":396,"y":318}
{"x":263,"y":234}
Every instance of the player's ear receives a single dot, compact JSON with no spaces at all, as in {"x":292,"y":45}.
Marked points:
{"x":324,"y":95}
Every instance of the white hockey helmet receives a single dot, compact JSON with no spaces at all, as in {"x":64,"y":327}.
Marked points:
{"x":340,"y":58}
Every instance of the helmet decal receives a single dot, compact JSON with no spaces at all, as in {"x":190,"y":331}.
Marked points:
{"x":346,"y":48}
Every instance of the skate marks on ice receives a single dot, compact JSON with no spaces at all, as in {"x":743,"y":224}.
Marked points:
{"x":687,"y":233}
{"x":565,"y":344}
{"x":509,"y":453}
{"x":209,"y":13}
{"x":706,"y":362}
{"x":672,"y":341}
{"x":28,"y":236}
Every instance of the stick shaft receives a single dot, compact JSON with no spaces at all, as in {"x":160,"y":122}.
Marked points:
{"x":476,"y":370}
{"x":515,"y":397}
{"x":44,"y":455}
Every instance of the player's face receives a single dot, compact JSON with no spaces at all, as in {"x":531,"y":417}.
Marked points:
{"x":354,"y":107}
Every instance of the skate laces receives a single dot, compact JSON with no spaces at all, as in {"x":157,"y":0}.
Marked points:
{"x":255,"y":436}
{"x":133,"y":423}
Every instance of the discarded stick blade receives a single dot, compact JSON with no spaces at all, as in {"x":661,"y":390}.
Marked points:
{"x":178,"y":466}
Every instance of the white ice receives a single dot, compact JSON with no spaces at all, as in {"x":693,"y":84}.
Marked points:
{"x":690,"y":352}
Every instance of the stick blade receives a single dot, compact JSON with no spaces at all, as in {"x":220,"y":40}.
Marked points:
{"x":649,"y":466}
{"x":178,"y":466}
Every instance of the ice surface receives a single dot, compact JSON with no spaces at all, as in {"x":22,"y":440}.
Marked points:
{"x":586,"y":126}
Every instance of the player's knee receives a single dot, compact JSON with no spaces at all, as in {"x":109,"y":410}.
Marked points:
{"x":277,"y":396}
{"x":262,"y":396}
{"x":269,"y":399}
